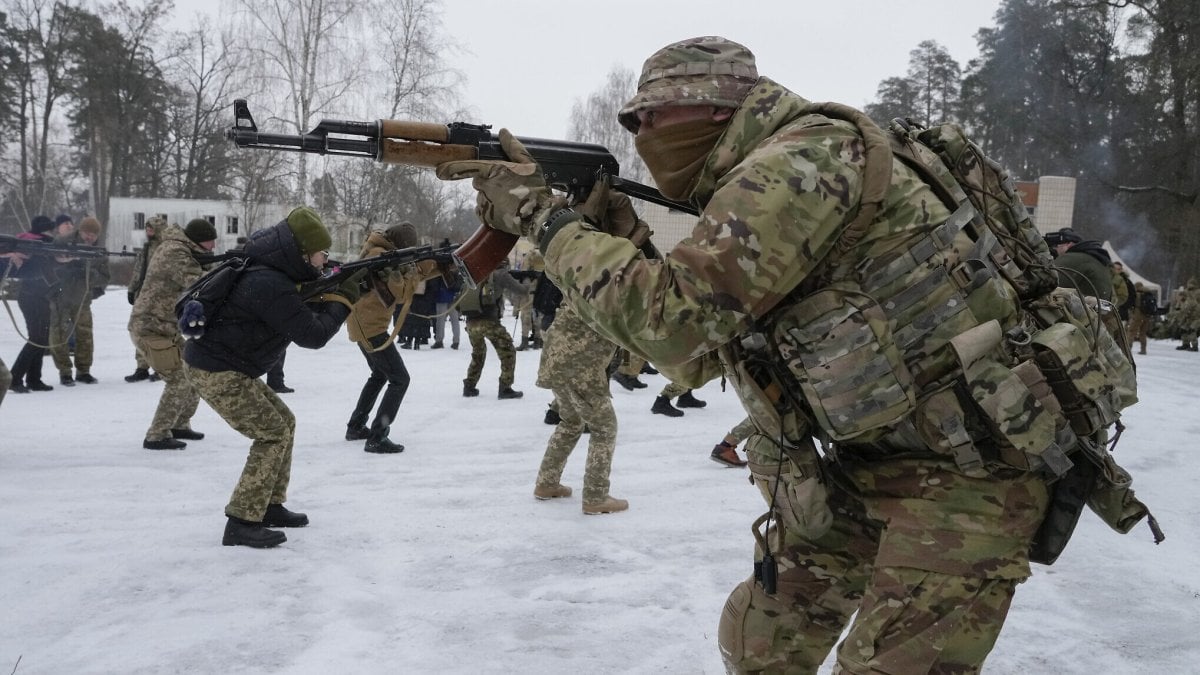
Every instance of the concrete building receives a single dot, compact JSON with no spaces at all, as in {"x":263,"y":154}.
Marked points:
{"x":126,"y":227}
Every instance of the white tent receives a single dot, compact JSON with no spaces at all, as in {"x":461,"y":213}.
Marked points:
{"x":1133,"y":275}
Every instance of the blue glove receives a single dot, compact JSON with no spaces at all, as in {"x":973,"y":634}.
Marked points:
{"x":191,"y":320}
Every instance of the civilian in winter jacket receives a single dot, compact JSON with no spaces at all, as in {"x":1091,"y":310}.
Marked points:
{"x":243,"y":338}
{"x":37,"y":285}
{"x":368,"y":326}
{"x":155,"y":333}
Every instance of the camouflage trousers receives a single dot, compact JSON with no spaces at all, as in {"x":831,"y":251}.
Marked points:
{"x":479,"y":330}
{"x":67,"y":318}
{"x":256,"y":412}
{"x":5,"y":380}
{"x":926,"y":602}
{"x":176,"y":404}
{"x":586,"y":403}
{"x":529,"y":327}
{"x":673,"y":390}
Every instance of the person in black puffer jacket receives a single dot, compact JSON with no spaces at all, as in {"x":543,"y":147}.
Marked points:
{"x":262,"y":314}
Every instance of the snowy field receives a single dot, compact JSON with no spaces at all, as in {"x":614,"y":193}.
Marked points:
{"x":439,"y":560}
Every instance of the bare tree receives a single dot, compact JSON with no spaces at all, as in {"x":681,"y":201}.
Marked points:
{"x":595,"y":121}
{"x":310,"y":51}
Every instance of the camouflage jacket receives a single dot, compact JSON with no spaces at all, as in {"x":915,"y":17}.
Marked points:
{"x":776,"y":192}
{"x":80,"y":279}
{"x":572,"y":350}
{"x":172,"y":269}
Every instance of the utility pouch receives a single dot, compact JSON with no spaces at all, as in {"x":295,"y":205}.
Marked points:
{"x":838,"y":345}
{"x":1022,"y":429}
{"x":794,"y":483}
{"x":162,"y":353}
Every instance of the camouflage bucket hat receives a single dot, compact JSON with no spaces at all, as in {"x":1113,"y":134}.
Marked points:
{"x":706,"y":70}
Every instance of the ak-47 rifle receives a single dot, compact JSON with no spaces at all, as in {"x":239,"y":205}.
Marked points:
{"x":567,"y":166}
{"x":338,"y":272}
{"x":11,"y":244}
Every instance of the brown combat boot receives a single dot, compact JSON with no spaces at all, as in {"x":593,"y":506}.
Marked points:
{"x":609,"y":504}
{"x":724,"y":453}
{"x":551,"y":491}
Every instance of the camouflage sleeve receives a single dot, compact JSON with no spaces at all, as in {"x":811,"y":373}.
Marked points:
{"x":768,"y":223}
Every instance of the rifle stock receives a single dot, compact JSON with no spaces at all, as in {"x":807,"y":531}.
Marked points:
{"x":567,"y":166}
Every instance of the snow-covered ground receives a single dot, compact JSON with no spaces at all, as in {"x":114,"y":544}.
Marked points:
{"x":439,"y":560}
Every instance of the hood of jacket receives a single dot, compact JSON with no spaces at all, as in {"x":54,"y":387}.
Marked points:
{"x":275,"y":247}
{"x":768,"y":108}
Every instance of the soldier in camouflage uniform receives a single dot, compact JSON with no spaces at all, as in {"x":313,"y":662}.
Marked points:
{"x":7,"y":260}
{"x":141,"y":262}
{"x":248,"y":331}
{"x":155,"y":333}
{"x":1187,"y":317}
{"x":573,"y":363}
{"x":80,"y":282}
{"x":896,"y":525}
{"x":483,"y":308}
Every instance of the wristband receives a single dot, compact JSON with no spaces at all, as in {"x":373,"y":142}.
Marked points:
{"x":553,"y":224}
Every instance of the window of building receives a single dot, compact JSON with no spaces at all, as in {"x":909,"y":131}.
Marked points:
{"x":139,"y":221}
{"x":231,"y":225}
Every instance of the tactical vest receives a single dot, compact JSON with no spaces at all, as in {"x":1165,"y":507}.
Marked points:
{"x":957,"y":345}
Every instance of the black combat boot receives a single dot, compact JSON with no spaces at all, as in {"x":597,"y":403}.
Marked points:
{"x":437,"y":344}
{"x":187,"y":434}
{"x":648,"y":369}
{"x":469,"y":389}
{"x":278,"y":515}
{"x":509,"y":392}
{"x":689,"y":401}
{"x":39,"y":386}
{"x":552,"y":417}
{"x":240,"y":532}
{"x":630,"y":382}
{"x":662,"y":406}
{"x":67,"y":381}
{"x":86,"y":378}
{"x":357,"y":433}
{"x":164,"y":444}
{"x":383,"y":446}
{"x":138,"y":375}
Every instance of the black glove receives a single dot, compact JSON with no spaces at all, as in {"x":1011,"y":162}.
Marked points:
{"x":351,"y":286}
{"x":97,"y":292}
{"x":129,"y":296}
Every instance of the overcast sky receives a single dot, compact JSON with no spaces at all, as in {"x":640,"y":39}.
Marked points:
{"x":527,"y":61}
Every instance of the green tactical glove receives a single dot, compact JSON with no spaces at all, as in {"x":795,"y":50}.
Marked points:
{"x":513,"y":195}
{"x":351,"y":288}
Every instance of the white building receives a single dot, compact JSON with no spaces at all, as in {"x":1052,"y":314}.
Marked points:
{"x":127,"y":216}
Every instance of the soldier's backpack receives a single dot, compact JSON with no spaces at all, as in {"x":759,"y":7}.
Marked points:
{"x":1147,"y":303}
{"x":199,"y":303}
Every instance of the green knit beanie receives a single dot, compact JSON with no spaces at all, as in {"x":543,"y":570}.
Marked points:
{"x":310,"y":233}
{"x":199,"y":230}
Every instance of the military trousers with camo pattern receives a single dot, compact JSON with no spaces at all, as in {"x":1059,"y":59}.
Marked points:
{"x":584,"y":402}
{"x":479,"y":330}
{"x":256,"y":412}
{"x":67,"y":319}
{"x":928,"y":600}
{"x":178,"y":401}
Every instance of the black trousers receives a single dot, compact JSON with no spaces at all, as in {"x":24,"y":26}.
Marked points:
{"x":27,"y":369}
{"x":386,"y":367}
